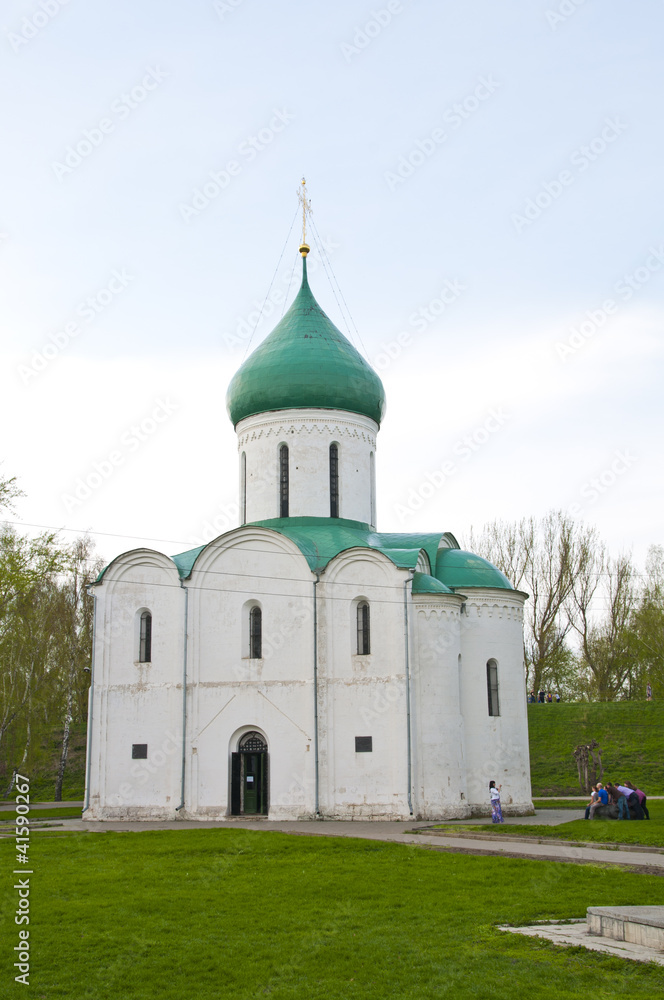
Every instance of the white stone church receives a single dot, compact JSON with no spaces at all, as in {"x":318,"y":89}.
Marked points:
{"x":305,"y":665}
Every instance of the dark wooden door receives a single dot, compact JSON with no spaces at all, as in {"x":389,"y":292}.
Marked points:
{"x":249,"y":783}
{"x":252,"y":783}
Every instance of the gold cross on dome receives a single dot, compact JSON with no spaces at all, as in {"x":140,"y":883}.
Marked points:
{"x":306,"y":210}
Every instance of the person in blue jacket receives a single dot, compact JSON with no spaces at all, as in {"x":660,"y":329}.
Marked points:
{"x":603,"y":799}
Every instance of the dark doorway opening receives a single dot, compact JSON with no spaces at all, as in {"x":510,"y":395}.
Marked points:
{"x":249,"y":777}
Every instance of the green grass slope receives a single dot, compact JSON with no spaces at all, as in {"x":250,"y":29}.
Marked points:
{"x":630,"y":735}
{"x":237,"y":915}
{"x":42,"y":769}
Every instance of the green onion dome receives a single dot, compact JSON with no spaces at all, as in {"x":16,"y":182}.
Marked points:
{"x":458,"y":570}
{"x":305,"y":363}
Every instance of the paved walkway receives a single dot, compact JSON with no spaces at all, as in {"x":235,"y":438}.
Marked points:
{"x":405,"y":833}
{"x":10,"y":804}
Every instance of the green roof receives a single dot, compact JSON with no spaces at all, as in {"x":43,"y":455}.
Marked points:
{"x":425,"y":584}
{"x":459,"y":570}
{"x":185,"y":560}
{"x":306,"y":362}
{"x":320,"y":539}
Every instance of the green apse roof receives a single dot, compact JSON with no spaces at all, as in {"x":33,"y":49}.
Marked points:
{"x":320,"y":539}
{"x":305,"y":363}
{"x":459,"y":569}
{"x":425,"y":584}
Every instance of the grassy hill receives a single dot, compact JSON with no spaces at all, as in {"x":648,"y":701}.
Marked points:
{"x":43,"y":767}
{"x":630,"y":735}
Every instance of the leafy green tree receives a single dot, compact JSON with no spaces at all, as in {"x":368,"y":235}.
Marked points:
{"x":646,"y":629}
{"x":74,"y":643}
{"x":45,"y":640}
{"x":28,"y":570}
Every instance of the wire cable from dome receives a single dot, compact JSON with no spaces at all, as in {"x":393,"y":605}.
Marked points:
{"x":320,"y":246}
{"x":251,"y":337}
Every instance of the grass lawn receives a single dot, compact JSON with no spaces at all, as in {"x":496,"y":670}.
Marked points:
{"x":630,"y":735}
{"x":220,"y":913}
{"x":599,"y":831}
{"x":560,"y":803}
{"x":47,"y":812}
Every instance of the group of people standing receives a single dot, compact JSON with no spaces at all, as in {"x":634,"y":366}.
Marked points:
{"x":543,"y":696}
{"x":625,"y":796}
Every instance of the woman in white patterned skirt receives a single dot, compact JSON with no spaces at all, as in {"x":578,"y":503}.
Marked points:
{"x":496,"y":811}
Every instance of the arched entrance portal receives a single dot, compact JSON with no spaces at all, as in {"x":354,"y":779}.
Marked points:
{"x":249,"y":776}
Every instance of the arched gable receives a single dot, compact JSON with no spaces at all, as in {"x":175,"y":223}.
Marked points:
{"x":144,"y":567}
{"x":257,"y":553}
{"x":362,"y":566}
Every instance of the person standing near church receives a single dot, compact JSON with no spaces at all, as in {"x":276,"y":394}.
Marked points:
{"x":496,"y":811}
{"x":641,"y":797}
{"x":633,"y":800}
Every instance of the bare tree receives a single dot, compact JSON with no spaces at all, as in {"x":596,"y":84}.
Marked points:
{"x":607,"y":643}
{"x":545,"y":558}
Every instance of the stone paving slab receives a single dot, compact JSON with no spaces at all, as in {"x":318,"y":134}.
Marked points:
{"x":577,"y":933}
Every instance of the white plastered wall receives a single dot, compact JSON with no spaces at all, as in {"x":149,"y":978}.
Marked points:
{"x":230,"y":693}
{"x":133,"y":702}
{"x":362,"y":695}
{"x":308,"y":434}
{"x":496,"y":747}
{"x":439,"y":768}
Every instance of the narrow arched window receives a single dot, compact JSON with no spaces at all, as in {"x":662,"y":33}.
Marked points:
{"x":255,"y":633}
{"x":283,"y":481}
{"x":334,"y":480}
{"x":243,"y":487}
{"x":363,"y":629}
{"x":145,"y":645}
{"x":492,"y":687}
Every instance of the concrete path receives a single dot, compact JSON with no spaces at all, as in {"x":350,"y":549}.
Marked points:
{"x":404,"y":833}
{"x":7,"y":805}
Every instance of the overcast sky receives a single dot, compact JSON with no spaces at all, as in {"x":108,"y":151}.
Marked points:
{"x":486,"y":178}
